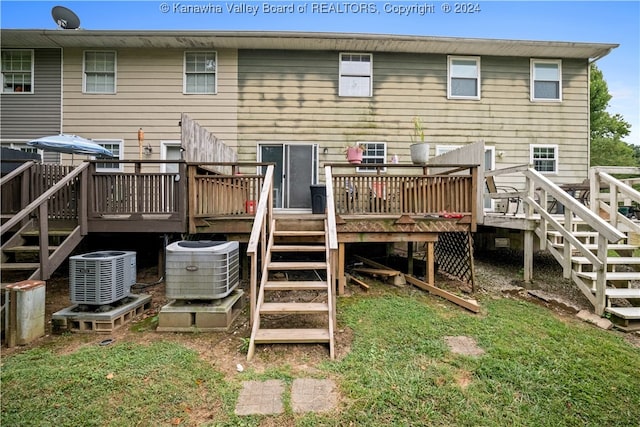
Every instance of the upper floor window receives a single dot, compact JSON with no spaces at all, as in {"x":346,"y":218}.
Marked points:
{"x":17,"y":71}
{"x":200,"y":70}
{"x":356,"y":74}
{"x":374,"y":153}
{"x":546,"y":80}
{"x":115,"y":146}
{"x":545,"y":158}
{"x":464,"y":77}
{"x":99,"y":72}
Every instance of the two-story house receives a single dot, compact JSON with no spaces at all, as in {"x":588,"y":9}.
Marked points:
{"x":298,"y":99}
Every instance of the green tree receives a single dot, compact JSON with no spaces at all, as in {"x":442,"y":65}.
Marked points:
{"x":607,"y":130}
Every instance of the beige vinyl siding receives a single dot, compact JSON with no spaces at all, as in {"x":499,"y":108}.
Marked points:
{"x":149,"y":95}
{"x":293,"y":96}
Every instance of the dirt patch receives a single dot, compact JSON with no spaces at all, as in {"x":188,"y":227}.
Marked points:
{"x":466,"y":346}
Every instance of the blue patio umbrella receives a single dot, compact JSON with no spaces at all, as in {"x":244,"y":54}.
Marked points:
{"x":70,"y":144}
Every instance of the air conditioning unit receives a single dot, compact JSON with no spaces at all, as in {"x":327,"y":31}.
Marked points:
{"x":201,"y":269}
{"x":102,"y":277}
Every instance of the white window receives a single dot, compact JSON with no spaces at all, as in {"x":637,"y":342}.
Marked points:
{"x":464,"y":77}
{"x":99,"y":72}
{"x":374,"y":153}
{"x":17,"y":71}
{"x":546,"y":80}
{"x":200,"y":70}
{"x":441,"y":149}
{"x":356,"y":74}
{"x":116,"y":146}
{"x":544,"y":158}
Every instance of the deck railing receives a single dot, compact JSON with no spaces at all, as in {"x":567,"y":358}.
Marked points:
{"x":223,"y":195}
{"x":30,"y":180}
{"x":606,"y":192}
{"x":392,"y":189}
{"x":74,"y":183}
{"x":141,"y":192}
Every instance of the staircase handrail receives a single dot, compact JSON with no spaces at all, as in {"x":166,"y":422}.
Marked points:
{"x":259,"y":234}
{"x":602,"y":227}
{"x":43,"y":198}
{"x":49,"y":262}
{"x":599,"y":175}
{"x":331,"y":210}
{"x":17,"y":171}
{"x":606,"y":232}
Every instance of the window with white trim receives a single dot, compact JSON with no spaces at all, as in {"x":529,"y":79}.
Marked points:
{"x":374,"y":153}
{"x":100,"y":72}
{"x":116,"y":146}
{"x":546,"y":80}
{"x":441,"y":149}
{"x":200,"y":71}
{"x":464,"y":77}
{"x":544,"y":158}
{"x":356,"y":74}
{"x":17,"y":71}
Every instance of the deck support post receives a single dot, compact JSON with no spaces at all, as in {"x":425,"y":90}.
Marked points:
{"x":431,"y":264}
{"x":528,"y":256}
{"x":410,"y":258}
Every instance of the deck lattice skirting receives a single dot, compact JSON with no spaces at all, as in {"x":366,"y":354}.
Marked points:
{"x":454,"y":255}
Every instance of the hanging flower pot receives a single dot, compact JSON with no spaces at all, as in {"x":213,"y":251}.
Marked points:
{"x":354,"y":155}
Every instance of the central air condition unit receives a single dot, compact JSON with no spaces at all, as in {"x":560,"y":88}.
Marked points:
{"x":201,"y":269}
{"x":102,"y":277}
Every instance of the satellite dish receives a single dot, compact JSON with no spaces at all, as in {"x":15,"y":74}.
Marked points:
{"x":65,"y":18}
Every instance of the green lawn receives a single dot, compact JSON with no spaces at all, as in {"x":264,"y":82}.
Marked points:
{"x":538,"y":370}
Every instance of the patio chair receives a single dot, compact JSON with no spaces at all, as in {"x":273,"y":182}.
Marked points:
{"x":503,"y":192}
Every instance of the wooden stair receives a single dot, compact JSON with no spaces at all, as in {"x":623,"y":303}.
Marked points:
{"x":295,"y":302}
{"x":622,"y":294}
{"x":21,"y":252}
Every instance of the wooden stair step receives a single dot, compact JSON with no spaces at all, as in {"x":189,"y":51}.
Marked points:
{"x":614,"y":260}
{"x":303,"y":265}
{"x":52,"y":233}
{"x":556,"y":233}
{"x":295,"y":285}
{"x":298,"y":248}
{"x":629,"y":313}
{"x":591,"y":275}
{"x":593,"y":247}
{"x":298,"y":233}
{"x":627,"y":293}
{"x":19,"y":266}
{"x":265,"y":336}
{"x":293,"y":307}
{"x":31,"y":249}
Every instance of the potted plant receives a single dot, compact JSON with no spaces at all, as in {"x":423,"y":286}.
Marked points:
{"x":354,"y":153}
{"x":419,"y":148}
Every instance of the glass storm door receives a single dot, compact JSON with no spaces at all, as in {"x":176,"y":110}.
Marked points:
{"x":489,"y":164}
{"x":295,"y":171}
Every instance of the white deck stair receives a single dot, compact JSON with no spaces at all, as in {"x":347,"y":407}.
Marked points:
{"x":296,"y":301}
{"x":622,"y":292}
